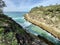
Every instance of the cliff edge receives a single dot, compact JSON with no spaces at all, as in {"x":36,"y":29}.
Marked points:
{"x":48,"y":18}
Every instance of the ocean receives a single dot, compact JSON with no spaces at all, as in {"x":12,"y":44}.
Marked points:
{"x":31,"y":28}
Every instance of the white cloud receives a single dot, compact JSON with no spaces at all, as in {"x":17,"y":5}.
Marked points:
{"x":26,"y":5}
{"x":10,"y":6}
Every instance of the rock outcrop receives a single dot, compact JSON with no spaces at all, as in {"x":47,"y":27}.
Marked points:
{"x":47,"y":18}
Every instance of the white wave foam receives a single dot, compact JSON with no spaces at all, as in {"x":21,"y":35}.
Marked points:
{"x":26,"y":24}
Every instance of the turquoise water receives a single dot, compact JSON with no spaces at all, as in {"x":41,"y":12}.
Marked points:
{"x":19,"y":18}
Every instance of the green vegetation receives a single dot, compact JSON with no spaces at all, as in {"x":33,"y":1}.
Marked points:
{"x":47,"y":9}
{"x":8,"y":37}
{"x":2,"y":5}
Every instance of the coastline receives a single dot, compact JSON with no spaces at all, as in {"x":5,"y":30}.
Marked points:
{"x":48,"y":41}
{"x":30,"y":34}
{"x":55,"y":32}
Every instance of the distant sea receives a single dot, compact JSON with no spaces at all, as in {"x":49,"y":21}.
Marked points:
{"x":18,"y":17}
{"x":15,"y":14}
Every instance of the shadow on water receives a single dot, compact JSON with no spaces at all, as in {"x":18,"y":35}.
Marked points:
{"x":48,"y":42}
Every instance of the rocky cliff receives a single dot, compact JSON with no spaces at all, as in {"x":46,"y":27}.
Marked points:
{"x":47,"y":17}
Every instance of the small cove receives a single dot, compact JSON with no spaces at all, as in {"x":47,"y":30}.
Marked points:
{"x":31,"y":28}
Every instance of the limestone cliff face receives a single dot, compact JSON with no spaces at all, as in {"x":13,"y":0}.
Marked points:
{"x":44,"y":26}
{"x":47,"y":18}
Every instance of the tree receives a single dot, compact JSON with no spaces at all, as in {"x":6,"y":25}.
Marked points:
{"x":2,"y":5}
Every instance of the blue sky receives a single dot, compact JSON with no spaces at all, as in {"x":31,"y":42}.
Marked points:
{"x":26,"y":5}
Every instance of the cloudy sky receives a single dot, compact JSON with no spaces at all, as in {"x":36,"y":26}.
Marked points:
{"x":26,"y":5}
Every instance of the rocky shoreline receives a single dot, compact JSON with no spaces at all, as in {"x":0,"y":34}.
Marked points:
{"x":53,"y":31}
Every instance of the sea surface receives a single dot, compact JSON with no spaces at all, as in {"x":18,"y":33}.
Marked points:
{"x":31,"y":28}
